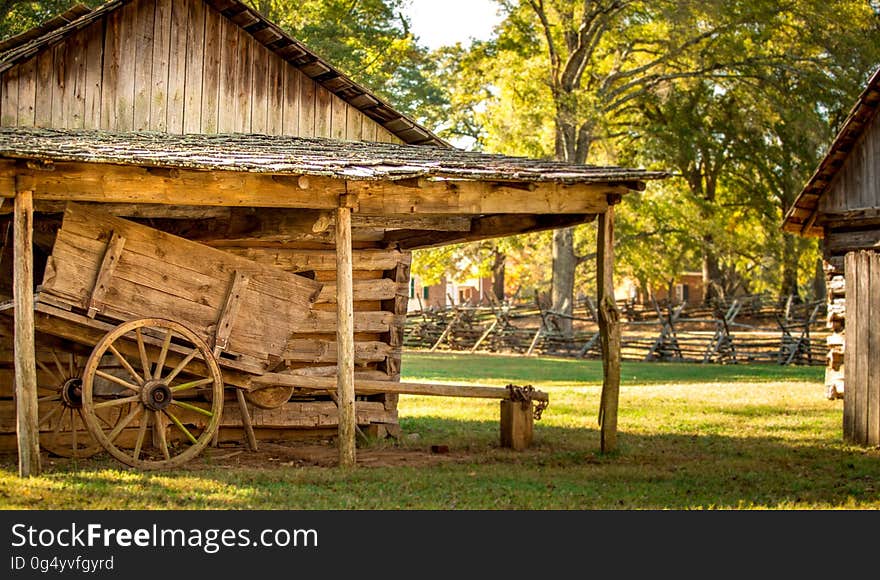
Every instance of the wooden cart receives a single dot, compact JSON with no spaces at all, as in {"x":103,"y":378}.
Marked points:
{"x":141,"y":335}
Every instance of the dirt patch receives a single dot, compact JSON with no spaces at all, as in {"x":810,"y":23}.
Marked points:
{"x":275,"y":454}
{"x":306,"y":454}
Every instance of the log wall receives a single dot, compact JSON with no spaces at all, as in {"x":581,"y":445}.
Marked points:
{"x":174,"y":66}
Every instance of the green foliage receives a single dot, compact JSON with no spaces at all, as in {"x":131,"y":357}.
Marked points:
{"x":16,"y":16}
{"x":736,"y":99}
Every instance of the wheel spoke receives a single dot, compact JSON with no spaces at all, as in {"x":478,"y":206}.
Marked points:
{"x":189,"y":407}
{"x":55,"y":410}
{"x":48,"y":398}
{"x":71,"y":364}
{"x":159,"y":425}
{"x":74,"y":429}
{"x":49,"y":371}
{"x":59,"y":365}
{"x":191,"y":385}
{"x":142,"y":349}
{"x":57,"y":428}
{"x":142,"y":431}
{"x":163,"y":354}
{"x":123,"y":423}
{"x":180,"y":426}
{"x":118,"y":381}
{"x":125,"y":365}
{"x":182,"y":365}
{"x":117,"y":402}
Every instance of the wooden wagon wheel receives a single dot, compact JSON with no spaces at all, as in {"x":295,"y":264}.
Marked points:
{"x":63,"y":429}
{"x":168,"y":367}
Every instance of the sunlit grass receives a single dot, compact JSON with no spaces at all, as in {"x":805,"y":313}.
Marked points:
{"x":737,"y":438}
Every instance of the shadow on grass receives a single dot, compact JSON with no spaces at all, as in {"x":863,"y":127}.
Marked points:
{"x":562,"y":470}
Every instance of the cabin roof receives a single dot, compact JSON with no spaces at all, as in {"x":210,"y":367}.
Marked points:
{"x":254,"y":153}
{"x":22,"y":47}
{"x":801,"y":216}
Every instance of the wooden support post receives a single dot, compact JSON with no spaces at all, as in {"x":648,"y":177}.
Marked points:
{"x":27,"y":424}
{"x":609,"y":327}
{"x":345,"y":337}
{"x":517,"y":424}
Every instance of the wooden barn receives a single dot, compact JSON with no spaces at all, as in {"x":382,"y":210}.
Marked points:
{"x":841,"y":204}
{"x":188,"y":160}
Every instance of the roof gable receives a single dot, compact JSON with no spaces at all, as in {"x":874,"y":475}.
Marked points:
{"x":22,"y":48}
{"x":801,"y":217}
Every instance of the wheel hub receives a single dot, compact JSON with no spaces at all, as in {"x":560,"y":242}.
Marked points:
{"x":156,"y":395}
{"x":71,"y":392}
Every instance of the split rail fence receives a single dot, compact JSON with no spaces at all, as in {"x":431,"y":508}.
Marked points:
{"x":748,"y":329}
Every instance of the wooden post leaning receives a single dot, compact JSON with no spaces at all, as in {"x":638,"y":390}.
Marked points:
{"x":609,"y":327}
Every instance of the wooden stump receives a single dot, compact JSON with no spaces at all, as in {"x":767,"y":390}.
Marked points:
{"x":517,"y":424}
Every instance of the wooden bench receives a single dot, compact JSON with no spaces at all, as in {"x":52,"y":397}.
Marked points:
{"x":520,"y":405}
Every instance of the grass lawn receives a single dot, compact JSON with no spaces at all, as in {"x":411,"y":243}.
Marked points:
{"x":690,"y":437}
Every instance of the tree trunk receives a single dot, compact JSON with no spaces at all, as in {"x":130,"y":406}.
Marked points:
{"x":820,"y":291}
{"x":790,"y":259}
{"x":711,"y":272}
{"x":500,"y":258}
{"x":562,"y":289}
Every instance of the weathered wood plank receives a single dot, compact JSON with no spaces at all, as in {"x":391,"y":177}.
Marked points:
{"x":323,"y":112}
{"x":44,"y":78}
{"x":381,"y":289}
{"x":307,"y":112}
{"x":312,"y":350}
{"x":244,"y":67}
{"x":145,"y":23}
{"x":60,"y":88}
{"x":27,"y":93}
{"x":177,"y":68}
{"x":338,"y":117}
{"x":322,"y":322}
{"x":212,"y":71}
{"x":105,"y":272}
{"x":290,"y":78}
{"x":195,"y":59}
{"x":112,"y":61}
{"x":275,"y":96}
{"x":299,"y":260}
{"x":94,"y":49}
{"x":9,"y":98}
{"x":354,"y":124}
{"x":125,"y":79}
{"x":229,"y":312}
{"x":260,"y":91}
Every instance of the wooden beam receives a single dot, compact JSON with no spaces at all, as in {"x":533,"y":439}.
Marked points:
{"x":27,"y":422}
{"x":483,"y":228}
{"x":374,"y":387}
{"x":345,"y":339}
{"x":609,"y":329}
{"x":108,"y":183}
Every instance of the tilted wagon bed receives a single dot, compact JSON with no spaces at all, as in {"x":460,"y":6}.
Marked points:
{"x":133,"y":328}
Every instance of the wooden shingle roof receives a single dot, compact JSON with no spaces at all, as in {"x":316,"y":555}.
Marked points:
{"x":24,"y":46}
{"x":252,"y":153}
{"x":801,"y":216}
